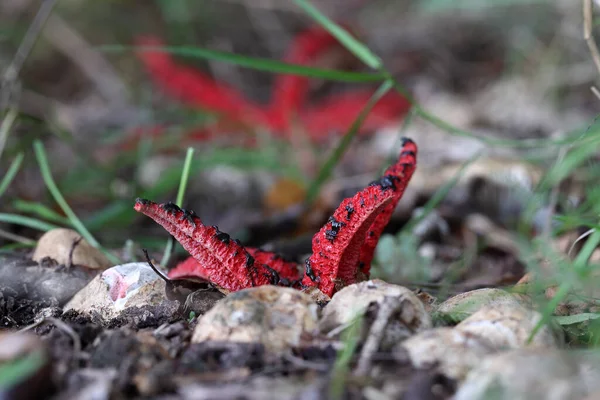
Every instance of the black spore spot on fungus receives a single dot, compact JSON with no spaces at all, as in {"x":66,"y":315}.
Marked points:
{"x":336,"y":225}
{"x":143,"y":202}
{"x":274,"y":278}
{"x":309,"y":271}
{"x":249,"y":260}
{"x":408,"y":153}
{"x":404,"y":141}
{"x":371,"y":233}
{"x":362,"y":202}
{"x":171,"y":207}
{"x":222,"y":236}
{"x":386,"y":182}
{"x":190,"y":216}
{"x":330,"y":234}
{"x":349,"y":211}
{"x":250,"y":267}
{"x":237,"y":241}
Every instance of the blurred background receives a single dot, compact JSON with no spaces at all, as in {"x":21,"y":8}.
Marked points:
{"x":116,"y":91}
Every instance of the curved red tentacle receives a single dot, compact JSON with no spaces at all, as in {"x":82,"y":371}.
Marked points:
{"x":343,"y":248}
{"x":217,"y":257}
{"x":193,"y":87}
{"x":337,"y":113}
{"x":290,"y":92}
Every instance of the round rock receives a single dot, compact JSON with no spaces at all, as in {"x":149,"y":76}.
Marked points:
{"x":454,"y":352}
{"x":463,"y":305}
{"x":275,"y":316}
{"x":508,"y":326}
{"x":122,"y":288}
{"x":354,"y":300}
{"x":58,"y":243}
{"x":525,"y":374}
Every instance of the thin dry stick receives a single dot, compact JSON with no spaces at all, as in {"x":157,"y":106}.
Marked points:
{"x":387,"y":308}
{"x":95,"y":67}
{"x":587,"y":34}
{"x":6,"y":126}
{"x":580,"y":238}
{"x":9,"y":80}
{"x":12,"y":72}
{"x":16,"y":238}
{"x":60,"y":325}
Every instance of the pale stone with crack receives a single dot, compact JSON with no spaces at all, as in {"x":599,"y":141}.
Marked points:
{"x":529,"y":374}
{"x":57,"y":244}
{"x":353,"y":300}
{"x":277,"y":317}
{"x":121,"y":288}
{"x":454,"y":352}
{"x":508,"y":326}
{"x":463,"y":305}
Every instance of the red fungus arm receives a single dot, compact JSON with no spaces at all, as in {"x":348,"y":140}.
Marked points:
{"x":217,"y":257}
{"x":290,"y":92}
{"x":338,"y":113}
{"x":401,"y":172}
{"x":193,"y":87}
{"x":351,"y":234}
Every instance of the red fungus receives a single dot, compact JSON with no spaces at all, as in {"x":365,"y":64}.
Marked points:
{"x":337,"y":113}
{"x":288,"y":99}
{"x":193,"y":87}
{"x":290,"y":92}
{"x":217,"y":257}
{"x":342,"y":249}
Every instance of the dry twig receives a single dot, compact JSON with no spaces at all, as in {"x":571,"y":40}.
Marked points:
{"x":589,"y":38}
{"x":387,"y":308}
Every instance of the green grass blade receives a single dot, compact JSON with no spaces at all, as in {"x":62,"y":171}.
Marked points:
{"x":185,"y":174}
{"x":438,"y":196}
{"x":26,"y":221}
{"x":11,"y":173}
{"x":40,"y":155}
{"x":580,"y":264}
{"x":40,"y":210}
{"x":341,"y":368}
{"x":352,"y":44}
{"x":561,"y":293}
{"x":578,"y":155}
{"x":334,"y":158}
{"x":575,"y":318}
{"x":373,"y":61}
{"x":120,"y":213}
{"x":260,"y":64}
{"x":17,"y":371}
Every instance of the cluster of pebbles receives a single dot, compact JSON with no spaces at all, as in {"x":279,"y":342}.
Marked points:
{"x":481,"y":341}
